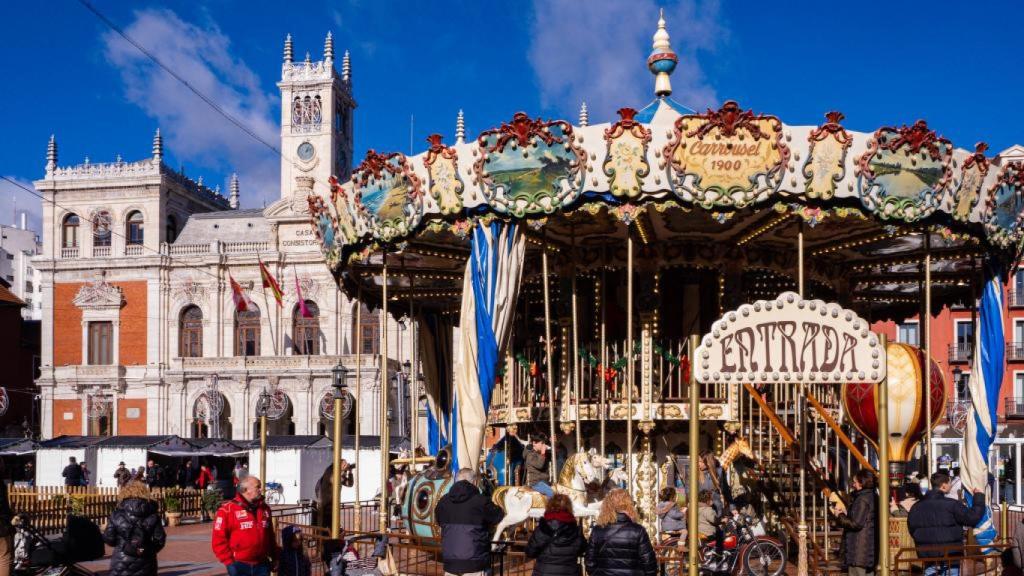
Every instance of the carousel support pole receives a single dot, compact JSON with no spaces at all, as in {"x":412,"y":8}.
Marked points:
{"x":801,"y":567}
{"x":629,"y":359}
{"x":359,"y":399}
{"x":883,"y":468}
{"x":385,"y":424}
{"x":926,"y":335}
{"x":692,"y":483}
{"x":604,"y":367}
{"x":574,"y":360}
{"x":263,"y":446}
{"x":550,"y":371}
{"x":414,"y":396}
{"x":336,"y":471}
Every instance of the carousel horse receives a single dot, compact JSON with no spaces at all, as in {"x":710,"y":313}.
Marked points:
{"x":581,"y":471}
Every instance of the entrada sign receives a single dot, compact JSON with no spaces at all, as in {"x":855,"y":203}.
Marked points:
{"x":790,"y":340}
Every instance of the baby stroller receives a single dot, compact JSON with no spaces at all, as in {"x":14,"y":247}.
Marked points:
{"x":35,"y":554}
{"x":342,"y":557}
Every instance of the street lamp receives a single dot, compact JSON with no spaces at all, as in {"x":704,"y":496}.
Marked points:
{"x":262,"y":406}
{"x":957,"y":376}
{"x":338,"y":374}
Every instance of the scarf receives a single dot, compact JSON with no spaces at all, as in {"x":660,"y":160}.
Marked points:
{"x":563,"y":516}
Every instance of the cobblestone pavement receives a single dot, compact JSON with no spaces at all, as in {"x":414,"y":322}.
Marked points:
{"x":187,"y":553}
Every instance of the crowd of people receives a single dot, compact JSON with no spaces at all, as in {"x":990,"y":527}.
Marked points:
{"x":152,"y":475}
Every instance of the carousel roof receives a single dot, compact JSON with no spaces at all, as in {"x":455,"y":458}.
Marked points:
{"x":699,"y":188}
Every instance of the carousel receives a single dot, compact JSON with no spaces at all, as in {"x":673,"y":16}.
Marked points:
{"x":673,"y":282}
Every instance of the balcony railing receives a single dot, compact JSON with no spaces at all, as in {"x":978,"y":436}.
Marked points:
{"x":69,"y":252}
{"x":1015,"y":351}
{"x":1017,"y":298}
{"x":100,"y":251}
{"x":133,"y":250}
{"x":1015,"y":407}
{"x":961,"y":352}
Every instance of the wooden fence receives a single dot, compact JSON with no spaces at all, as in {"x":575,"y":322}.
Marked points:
{"x":48,"y":506}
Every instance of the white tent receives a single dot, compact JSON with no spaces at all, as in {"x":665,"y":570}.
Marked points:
{"x":134,"y":451}
{"x":294,"y":462}
{"x":52,"y":456}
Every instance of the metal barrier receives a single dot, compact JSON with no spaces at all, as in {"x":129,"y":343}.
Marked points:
{"x":969,"y":558}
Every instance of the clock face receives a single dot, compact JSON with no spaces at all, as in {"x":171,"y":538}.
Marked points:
{"x":306,"y":151}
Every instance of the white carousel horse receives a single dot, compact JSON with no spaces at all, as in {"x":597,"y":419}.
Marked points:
{"x":581,"y":470}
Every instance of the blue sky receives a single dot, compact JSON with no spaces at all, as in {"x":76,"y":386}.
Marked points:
{"x":956,"y":65}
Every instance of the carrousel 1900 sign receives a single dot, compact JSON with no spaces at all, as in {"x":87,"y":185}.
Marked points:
{"x":790,"y":340}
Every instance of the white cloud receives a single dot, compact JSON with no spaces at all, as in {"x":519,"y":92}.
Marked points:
{"x":14,"y":201}
{"x":193,"y":131}
{"x":596,"y":51}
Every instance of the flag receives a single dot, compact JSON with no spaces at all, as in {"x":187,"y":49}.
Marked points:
{"x":489,"y":291}
{"x":269,"y":282}
{"x":986,"y":377}
{"x":242,"y":301}
{"x":302,"y":301}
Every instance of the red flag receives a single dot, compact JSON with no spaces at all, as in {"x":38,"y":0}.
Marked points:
{"x":242,"y":301}
{"x":270,"y":282}
{"x":302,"y":301}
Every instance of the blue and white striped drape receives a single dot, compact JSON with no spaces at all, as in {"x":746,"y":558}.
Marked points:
{"x":489,"y":292}
{"x":986,"y":378}
{"x":436,"y":355}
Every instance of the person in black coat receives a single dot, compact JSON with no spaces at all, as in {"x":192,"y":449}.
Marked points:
{"x":154,"y":475}
{"x":860,"y":536}
{"x":186,"y":475}
{"x":135,"y":532}
{"x":618,"y":545}
{"x":466,"y":518}
{"x":557,"y":543}
{"x":72,"y":473}
{"x":940,"y":521}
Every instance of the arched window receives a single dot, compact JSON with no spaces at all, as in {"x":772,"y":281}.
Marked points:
{"x":190,"y":328}
{"x":70,"y":231}
{"x":369,"y":331}
{"x":101,"y":224}
{"x":134,"y":223}
{"x":306,"y":330}
{"x":171,"y":231}
{"x":247,"y":332}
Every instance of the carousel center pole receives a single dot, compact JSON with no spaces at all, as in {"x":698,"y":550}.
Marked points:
{"x":604,"y":368}
{"x":549,"y":369}
{"x":359,"y":398}
{"x":385,"y":424}
{"x":574,"y":356}
{"x":692,"y":483}
{"x":629,"y":358}
{"x":414,"y":397}
{"x":801,"y":566}
{"x":926,"y":335}
{"x":883,"y":467}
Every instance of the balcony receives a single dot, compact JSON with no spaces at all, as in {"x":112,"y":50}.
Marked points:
{"x":1017,"y":299}
{"x":302,"y":363}
{"x":1014,"y":409}
{"x":133,"y":250}
{"x":1015,"y":352}
{"x":963,"y":352}
{"x":100,"y":251}
{"x":69,"y":252}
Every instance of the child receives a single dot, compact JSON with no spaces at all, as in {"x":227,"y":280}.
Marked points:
{"x":673,"y":522}
{"x":293,"y":560}
{"x":707,"y":526}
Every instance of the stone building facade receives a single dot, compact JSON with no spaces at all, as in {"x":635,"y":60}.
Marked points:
{"x":139,"y":329}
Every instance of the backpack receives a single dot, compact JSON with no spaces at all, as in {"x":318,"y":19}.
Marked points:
{"x":134,"y":543}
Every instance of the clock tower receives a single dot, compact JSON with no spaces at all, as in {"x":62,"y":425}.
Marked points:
{"x":316,"y":119}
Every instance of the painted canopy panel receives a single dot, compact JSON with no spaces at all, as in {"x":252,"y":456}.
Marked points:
{"x":719,"y":161}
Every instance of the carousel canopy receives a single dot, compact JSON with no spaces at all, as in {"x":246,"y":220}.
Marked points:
{"x":728,"y":185}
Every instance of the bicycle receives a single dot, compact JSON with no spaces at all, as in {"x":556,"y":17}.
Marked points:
{"x":274,"y":494}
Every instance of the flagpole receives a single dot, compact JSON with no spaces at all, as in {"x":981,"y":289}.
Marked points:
{"x":263,"y":289}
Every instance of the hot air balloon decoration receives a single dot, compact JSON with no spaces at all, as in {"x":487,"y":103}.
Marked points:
{"x":905,"y":364}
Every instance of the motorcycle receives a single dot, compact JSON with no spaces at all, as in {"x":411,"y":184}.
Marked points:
{"x":746,"y":550}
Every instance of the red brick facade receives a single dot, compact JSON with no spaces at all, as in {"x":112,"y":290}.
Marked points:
{"x":72,"y":425}
{"x":67,"y":324}
{"x":133,"y":424}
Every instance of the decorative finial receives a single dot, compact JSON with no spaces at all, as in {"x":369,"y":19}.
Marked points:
{"x":308,"y":59}
{"x":117,"y":159}
{"x":329,"y":48}
{"x":346,"y":68}
{"x":662,"y":60}
{"x":233,"y":196}
{"x":51,"y":154}
{"x":158,"y":147}
{"x":200,"y":182}
{"x":584,"y":115}
{"x":460,"y":128}
{"x":288,"y":49}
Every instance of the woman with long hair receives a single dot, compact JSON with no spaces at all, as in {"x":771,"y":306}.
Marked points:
{"x":618,"y":545}
{"x":135,"y":532}
{"x":557,"y":543}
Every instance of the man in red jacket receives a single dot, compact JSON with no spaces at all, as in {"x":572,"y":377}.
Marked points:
{"x":243,"y":532}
